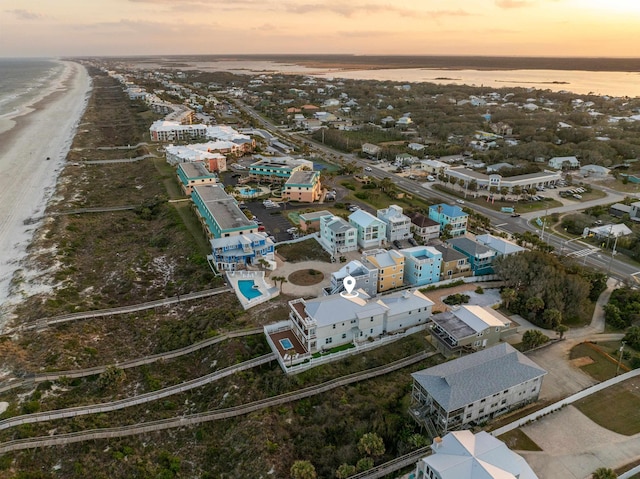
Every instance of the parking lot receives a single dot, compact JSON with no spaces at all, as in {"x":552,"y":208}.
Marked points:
{"x":274,"y":220}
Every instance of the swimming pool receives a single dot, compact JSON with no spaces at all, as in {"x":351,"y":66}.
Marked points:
{"x":248,"y":288}
{"x":286,"y":343}
{"x":248,"y":192}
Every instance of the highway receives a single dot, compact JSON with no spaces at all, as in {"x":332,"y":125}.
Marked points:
{"x":583,"y":252}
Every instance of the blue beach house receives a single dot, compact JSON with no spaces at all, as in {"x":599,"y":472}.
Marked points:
{"x":446,"y":214}
{"x":421,"y":265}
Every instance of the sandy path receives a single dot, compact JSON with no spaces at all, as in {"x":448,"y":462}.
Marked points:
{"x":28,"y":180}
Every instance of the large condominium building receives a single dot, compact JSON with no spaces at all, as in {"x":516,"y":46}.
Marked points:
{"x":194,"y":174}
{"x":277,"y":169}
{"x":220,"y":213}
{"x":303,"y":186}
{"x":210,"y":154}
{"x":165,"y":131}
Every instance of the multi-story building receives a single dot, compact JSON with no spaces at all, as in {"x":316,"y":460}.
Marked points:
{"x":277,"y":169}
{"x":371,"y":231}
{"x":454,"y":264}
{"x":487,"y":182}
{"x":451,"y":216}
{"x":465,"y":455}
{"x":366,"y":278}
{"x":220,"y":214}
{"x":480,"y":257}
{"x":308,"y":221}
{"x":337,"y":236}
{"x":424,"y":227}
{"x":501,"y":246}
{"x":303,"y":186}
{"x":194,"y":174}
{"x":469,"y":328}
{"x":211,"y":154}
{"x":238,"y":251}
{"x":165,"y":131}
{"x":390,"y":265}
{"x":421,"y":265}
{"x":330,"y":321}
{"x":398,"y":225}
{"x":474,"y":388}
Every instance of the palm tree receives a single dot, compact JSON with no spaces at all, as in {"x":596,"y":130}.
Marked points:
{"x":371,"y":444}
{"x":508,"y":295}
{"x":604,"y":473}
{"x":552,"y":318}
{"x":534,"y":304}
{"x":303,"y":470}
{"x":561,"y":329}
{"x":281,"y":279}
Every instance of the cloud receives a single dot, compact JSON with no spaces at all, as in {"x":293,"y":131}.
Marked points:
{"x":25,"y":14}
{"x":514,"y":3}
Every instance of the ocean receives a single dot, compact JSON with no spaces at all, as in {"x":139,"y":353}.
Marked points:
{"x":21,"y":84}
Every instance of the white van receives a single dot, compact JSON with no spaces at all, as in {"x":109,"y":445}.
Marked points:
{"x":431,"y":178}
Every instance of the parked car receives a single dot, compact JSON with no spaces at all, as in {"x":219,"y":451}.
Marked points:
{"x":396,"y":243}
{"x":367,"y":168}
{"x":412,"y":242}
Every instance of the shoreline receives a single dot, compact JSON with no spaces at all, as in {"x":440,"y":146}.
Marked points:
{"x":43,"y":129}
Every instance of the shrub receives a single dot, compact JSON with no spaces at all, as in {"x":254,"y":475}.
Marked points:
{"x":457,"y":298}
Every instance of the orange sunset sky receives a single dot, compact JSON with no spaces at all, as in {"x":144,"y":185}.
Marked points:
{"x":591,"y":28}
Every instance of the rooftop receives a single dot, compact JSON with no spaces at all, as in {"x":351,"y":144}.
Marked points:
{"x":223,"y":208}
{"x":456,"y":383}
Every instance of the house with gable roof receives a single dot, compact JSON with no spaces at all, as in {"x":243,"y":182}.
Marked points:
{"x":337,"y":235}
{"x":474,"y":388}
{"x":451,"y":215}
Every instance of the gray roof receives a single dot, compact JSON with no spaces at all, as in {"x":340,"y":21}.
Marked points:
{"x":302,"y":177}
{"x":460,"y":382}
{"x":223,"y":207}
{"x":469,"y":246}
{"x":449,"y":254}
{"x":195,"y":170}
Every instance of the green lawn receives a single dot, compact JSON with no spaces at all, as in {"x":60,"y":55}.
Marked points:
{"x":602,"y":368}
{"x":615,"y":408}
{"x":519,"y":441}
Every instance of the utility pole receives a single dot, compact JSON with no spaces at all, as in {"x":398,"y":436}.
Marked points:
{"x":620,"y":358}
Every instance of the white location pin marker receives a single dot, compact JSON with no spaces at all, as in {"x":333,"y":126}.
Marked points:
{"x":349,"y":283}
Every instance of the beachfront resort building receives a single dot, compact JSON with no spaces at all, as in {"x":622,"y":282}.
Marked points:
{"x":390,"y":266}
{"x":330,"y":321}
{"x":219,"y":213}
{"x":421,"y":265}
{"x":450,"y":218}
{"x":236,"y":252}
{"x":167,"y":131}
{"x":469,"y":328}
{"x":303,"y":186}
{"x":337,"y":236}
{"x":211,"y":154}
{"x":194,"y":174}
{"x":474,"y":388}
{"x":371,"y":231}
{"x":465,"y":455}
{"x":277,"y":169}
{"x":398,"y":225}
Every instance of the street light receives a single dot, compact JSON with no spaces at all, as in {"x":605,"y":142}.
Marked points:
{"x":620,"y":358}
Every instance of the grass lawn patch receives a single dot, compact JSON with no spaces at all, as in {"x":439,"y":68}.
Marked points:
{"x":305,"y":277}
{"x":519,"y":441}
{"x":615,"y":408}
{"x":309,"y":250}
{"x":601,"y":368}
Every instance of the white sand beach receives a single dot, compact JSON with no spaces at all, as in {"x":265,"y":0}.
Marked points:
{"x":43,"y":130}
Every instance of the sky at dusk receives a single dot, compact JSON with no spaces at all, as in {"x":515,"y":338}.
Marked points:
{"x":590,"y":28}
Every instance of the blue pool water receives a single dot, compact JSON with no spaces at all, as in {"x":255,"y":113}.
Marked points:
{"x":286,"y":343}
{"x":246,"y":287}
{"x":246,"y":191}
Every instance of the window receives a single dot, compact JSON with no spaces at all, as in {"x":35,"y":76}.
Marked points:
{"x":371,"y":330}
{"x":334,"y":326}
{"x":344,"y":335}
{"x":504,"y":401}
{"x":482,"y":400}
{"x":328,"y":341}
